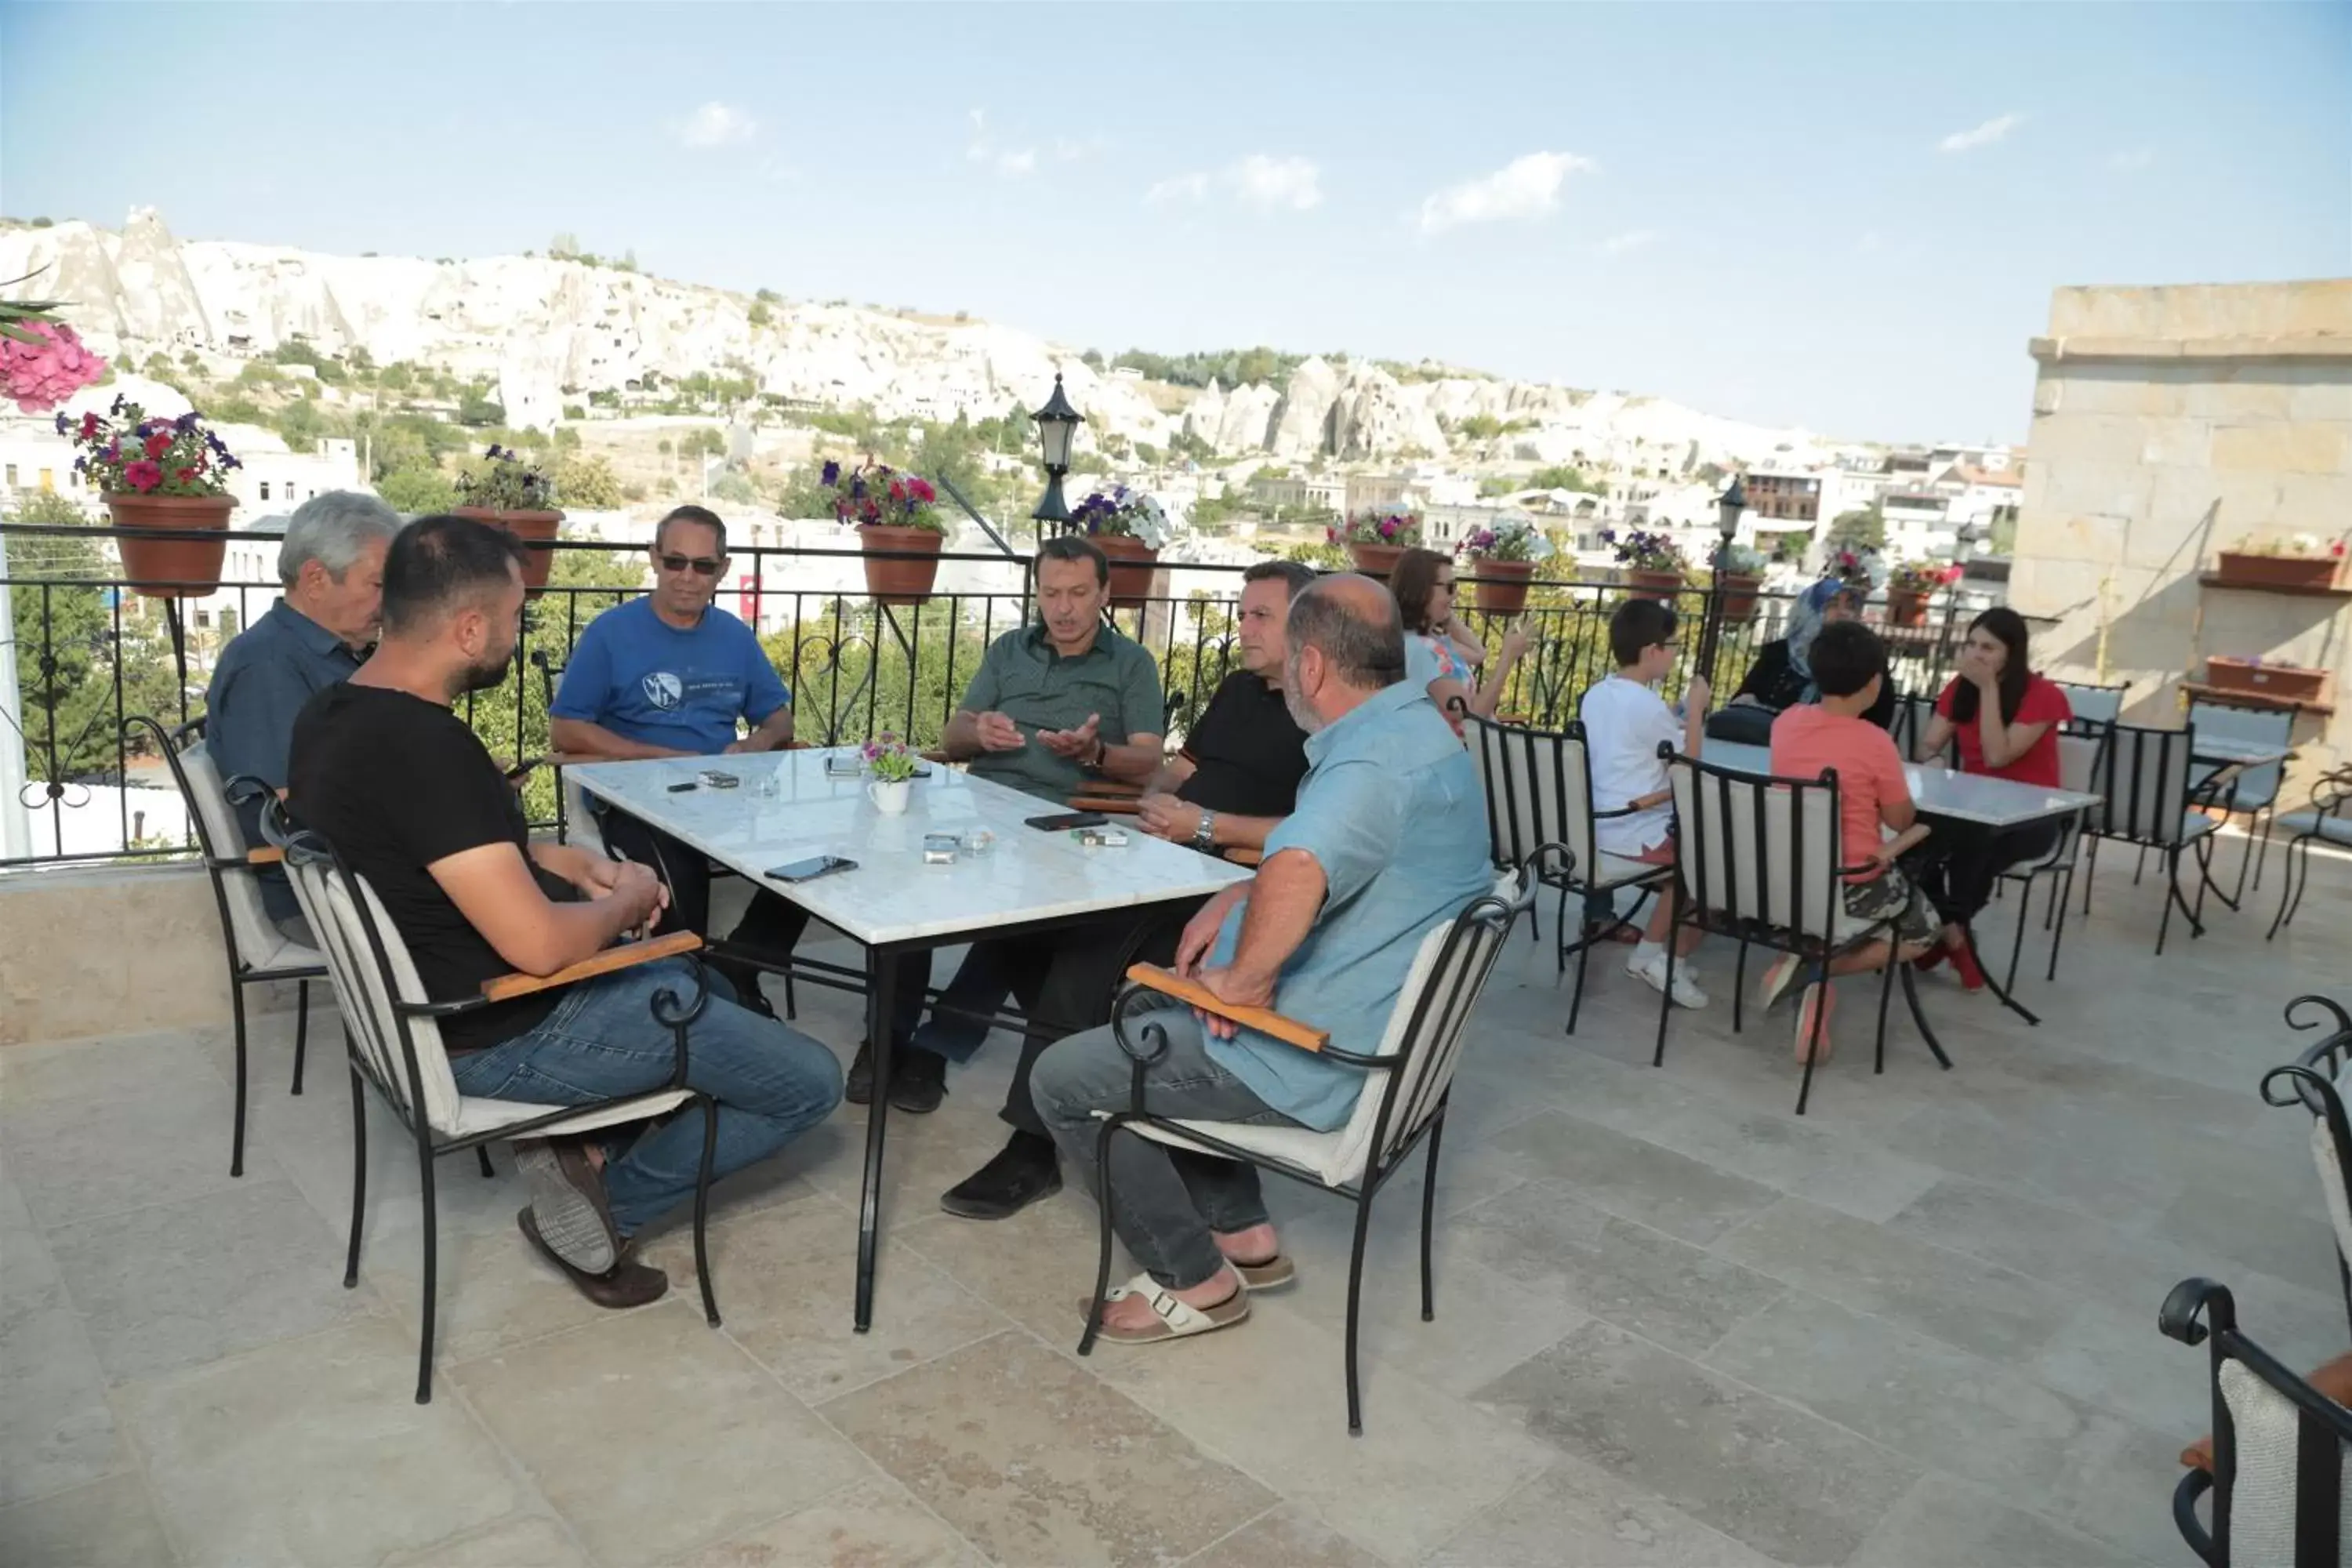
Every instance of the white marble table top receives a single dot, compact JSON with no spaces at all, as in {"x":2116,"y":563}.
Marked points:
{"x":894,"y":895}
{"x":1938,"y":792}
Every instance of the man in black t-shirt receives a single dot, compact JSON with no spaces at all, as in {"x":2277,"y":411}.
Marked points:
{"x":387,"y":773}
{"x":1238,"y":773}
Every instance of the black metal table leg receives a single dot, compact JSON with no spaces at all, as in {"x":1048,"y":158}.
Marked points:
{"x":881,"y":981}
{"x":1918,"y":1016}
{"x":1968,"y":935}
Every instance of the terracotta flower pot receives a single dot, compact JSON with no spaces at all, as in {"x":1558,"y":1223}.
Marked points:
{"x":2278,"y":571}
{"x":2286,"y":682}
{"x":1906,"y":608}
{"x":527,"y":526}
{"x":1662,"y":585}
{"x":900,"y":581}
{"x":1740,"y":595}
{"x":1131,"y":564}
{"x":1375,"y":560}
{"x":172,"y":568}
{"x":1499,"y":587}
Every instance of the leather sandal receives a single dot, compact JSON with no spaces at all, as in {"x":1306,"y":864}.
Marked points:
{"x":1176,"y":1319}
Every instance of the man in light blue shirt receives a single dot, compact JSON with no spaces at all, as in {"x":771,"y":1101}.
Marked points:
{"x":672,"y":675}
{"x":1389,"y":840}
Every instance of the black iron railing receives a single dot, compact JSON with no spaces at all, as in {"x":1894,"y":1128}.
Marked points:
{"x":90,"y":651}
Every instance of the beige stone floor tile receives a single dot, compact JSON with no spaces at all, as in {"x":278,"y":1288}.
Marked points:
{"x":57,"y":1432}
{"x":1946,"y":1523}
{"x":526,"y":1540}
{"x":1036,"y":1267}
{"x":314,"y":1451}
{"x":106,"y":1524}
{"x":1632,"y":1178}
{"x":1286,"y":1537}
{"x":786,"y":1281}
{"x":874,"y":1524}
{"x":1272,"y":1394}
{"x":1576,"y":1513}
{"x":712,"y":1444}
{"x":1036,"y":1461}
{"x":494,"y":1291}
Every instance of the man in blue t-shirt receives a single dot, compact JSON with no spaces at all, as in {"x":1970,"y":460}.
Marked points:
{"x":670,"y":675}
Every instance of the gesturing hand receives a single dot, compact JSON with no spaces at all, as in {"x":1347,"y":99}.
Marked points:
{"x":999,"y":733}
{"x":1073,"y":744}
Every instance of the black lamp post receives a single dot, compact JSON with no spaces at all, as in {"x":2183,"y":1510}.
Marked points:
{"x":1057,"y":427}
{"x":1727,"y":507}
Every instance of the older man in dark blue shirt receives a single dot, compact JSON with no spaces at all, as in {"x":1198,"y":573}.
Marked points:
{"x":331,"y":563}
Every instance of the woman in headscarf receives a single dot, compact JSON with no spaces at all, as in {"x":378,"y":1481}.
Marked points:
{"x":1782,"y":675}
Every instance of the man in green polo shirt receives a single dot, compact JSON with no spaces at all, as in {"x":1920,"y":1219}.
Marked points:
{"x":1055,"y":706}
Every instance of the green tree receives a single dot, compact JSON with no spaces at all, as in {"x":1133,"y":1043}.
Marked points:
{"x":705,"y":443}
{"x":417,"y":490}
{"x":1480,"y":427}
{"x":478,"y":410}
{"x":1563,"y":477}
{"x":70,"y":642}
{"x":757,"y":316}
{"x":588,"y":483}
{"x":1864,"y":528}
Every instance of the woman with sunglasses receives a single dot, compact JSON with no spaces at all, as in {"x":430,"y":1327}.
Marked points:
{"x":1439,"y":652}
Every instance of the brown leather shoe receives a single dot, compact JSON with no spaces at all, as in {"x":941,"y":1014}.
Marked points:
{"x":627,"y":1283}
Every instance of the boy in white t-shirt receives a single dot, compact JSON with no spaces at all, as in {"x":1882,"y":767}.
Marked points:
{"x":1625,"y":720}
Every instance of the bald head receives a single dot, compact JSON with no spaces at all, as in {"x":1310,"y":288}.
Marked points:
{"x":1346,"y":643}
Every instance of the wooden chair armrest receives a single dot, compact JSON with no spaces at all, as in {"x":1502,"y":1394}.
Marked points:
{"x":1109,"y":804}
{"x":1264,"y":1020}
{"x":1114,"y":789}
{"x":937,"y":754}
{"x":507,"y":987}
{"x":268,"y":855}
{"x":1241,"y":855}
{"x":567,"y":759}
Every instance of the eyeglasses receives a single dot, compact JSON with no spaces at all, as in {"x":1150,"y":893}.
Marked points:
{"x":704,"y":565}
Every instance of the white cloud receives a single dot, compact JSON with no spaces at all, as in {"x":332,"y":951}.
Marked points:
{"x":1527,"y":186}
{"x":1631,"y":239}
{"x":1192,"y":187}
{"x":2131,"y":163}
{"x":716,"y":124}
{"x":1267,"y":184}
{"x":1984,"y":135}
{"x":1012,"y":163}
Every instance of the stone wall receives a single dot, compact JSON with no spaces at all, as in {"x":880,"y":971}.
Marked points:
{"x":2169,"y":424}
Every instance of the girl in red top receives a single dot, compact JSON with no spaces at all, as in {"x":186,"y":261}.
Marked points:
{"x":2006,"y":720}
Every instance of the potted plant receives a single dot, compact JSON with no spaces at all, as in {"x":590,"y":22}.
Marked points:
{"x":1502,"y":560}
{"x":1129,"y":527}
{"x":2300,"y":561}
{"x":507,"y":492}
{"x":1376,"y":539}
{"x":160,"y":474}
{"x":2286,"y":682}
{"x":898,"y":526}
{"x":891,"y":767}
{"x":42,"y":361}
{"x":1650,"y":563}
{"x":1910,"y":585}
{"x":1740,"y":572}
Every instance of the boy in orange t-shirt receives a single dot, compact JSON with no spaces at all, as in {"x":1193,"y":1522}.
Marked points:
{"x":1849,"y":667}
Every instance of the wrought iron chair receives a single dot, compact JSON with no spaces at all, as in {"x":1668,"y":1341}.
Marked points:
{"x":2147,"y":800}
{"x":1403,"y":1102}
{"x":259,"y":954}
{"x":2253,"y":791}
{"x":393,"y":1034}
{"x":2078,"y":769}
{"x":1912,"y":714}
{"x":2094,"y":704}
{"x":2280,"y":1447}
{"x":2326,"y":823}
{"x":1538,"y":787}
{"x":1758,"y":863}
{"x":2318,"y":1080}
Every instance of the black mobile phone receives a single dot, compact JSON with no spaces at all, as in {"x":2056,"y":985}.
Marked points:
{"x":1068,"y":819}
{"x":810,"y":869}
{"x":523,"y":768}
{"x":682,"y":788}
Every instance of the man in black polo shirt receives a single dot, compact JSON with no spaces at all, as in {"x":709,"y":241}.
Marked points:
{"x":1239,"y":770}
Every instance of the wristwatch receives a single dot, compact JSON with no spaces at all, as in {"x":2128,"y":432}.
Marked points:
{"x":1204,"y":837}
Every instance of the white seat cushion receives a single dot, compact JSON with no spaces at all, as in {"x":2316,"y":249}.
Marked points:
{"x":2333,"y":829}
{"x":1617,"y":871}
{"x":475,"y":1115}
{"x":1317,"y":1154}
{"x":287,"y":954}
{"x":2196,"y":825}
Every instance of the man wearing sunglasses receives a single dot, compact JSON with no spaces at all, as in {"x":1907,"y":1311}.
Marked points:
{"x":672,"y":675}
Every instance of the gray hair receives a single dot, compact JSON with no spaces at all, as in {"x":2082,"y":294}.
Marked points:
{"x":1361,"y":633}
{"x":333,"y":528}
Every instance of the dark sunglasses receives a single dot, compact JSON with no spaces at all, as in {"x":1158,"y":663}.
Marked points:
{"x":704,"y":565}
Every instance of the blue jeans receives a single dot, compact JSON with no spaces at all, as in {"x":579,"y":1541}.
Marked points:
{"x":772,"y":1082}
{"x":1164,"y":1202}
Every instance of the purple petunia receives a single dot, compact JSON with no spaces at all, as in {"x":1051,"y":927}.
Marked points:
{"x":63,"y":424}
{"x":186,"y":421}
{"x":831,"y":474}
{"x":858,"y":488}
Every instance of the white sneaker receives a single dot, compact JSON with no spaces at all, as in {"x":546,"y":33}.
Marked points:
{"x":1687,"y":992}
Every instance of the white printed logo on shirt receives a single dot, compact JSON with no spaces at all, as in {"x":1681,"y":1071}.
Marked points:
{"x":664,"y":690}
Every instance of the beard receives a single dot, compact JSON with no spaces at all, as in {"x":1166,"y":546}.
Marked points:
{"x":484,"y":676}
{"x":1303,"y":716}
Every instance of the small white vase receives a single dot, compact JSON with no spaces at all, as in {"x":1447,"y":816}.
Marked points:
{"x":890,"y":799}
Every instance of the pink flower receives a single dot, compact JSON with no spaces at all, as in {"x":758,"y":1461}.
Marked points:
{"x":43,"y":374}
{"x":1388,"y":528}
{"x":157,"y":445}
{"x":922,"y":492}
{"x":142,"y":476}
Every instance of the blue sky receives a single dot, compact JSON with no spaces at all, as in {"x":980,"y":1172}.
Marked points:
{"x":1849,"y":217}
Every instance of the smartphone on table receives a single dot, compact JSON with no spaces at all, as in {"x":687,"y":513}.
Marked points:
{"x":1065,"y":821}
{"x":810,"y":869}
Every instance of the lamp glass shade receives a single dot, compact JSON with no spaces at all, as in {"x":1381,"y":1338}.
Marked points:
{"x":1729,"y":505}
{"x":1057,"y":427}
